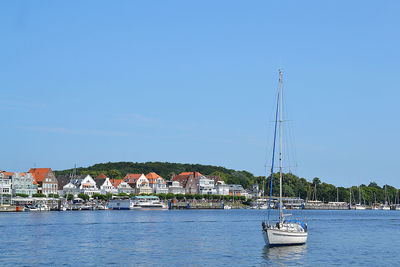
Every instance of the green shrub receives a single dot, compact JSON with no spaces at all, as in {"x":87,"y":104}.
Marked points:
{"x":170,"y":196}
{"x":84,"y":196}
{"x":38,"y":195}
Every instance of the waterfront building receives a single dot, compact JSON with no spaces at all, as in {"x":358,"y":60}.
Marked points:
{"x":222,"y":189}
{"x":62,"y":181}
{"x":6,"y":182}
{"x":175,"y":187}
{"x":70,"y":188}
{"x":88,"y":186}
{"x":189,"y":181}
{"x":45,"y":179}
{"x":105,"y":185}
{"x":206,"y":186}
{"x":139,"y":182}
{"x":22,"y":183}
{"x":236,"y":190}
{"x":123,"y":187}
{"x":157,"y":183}
{"x":255,"y":191}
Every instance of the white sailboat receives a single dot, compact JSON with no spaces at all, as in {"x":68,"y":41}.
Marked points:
{"x":360,"y":206}
{"x":386,"y":206}
{"x":284,"y":232}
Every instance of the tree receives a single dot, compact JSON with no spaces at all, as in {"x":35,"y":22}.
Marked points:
{"x":162,"y":195}
{"x":170,"y":196}
{"x":38,"y":195}
{"x":97,"y":196}
{"x":316,"y":181}
{"x":21,"y":195}
{"x":198,"y":196}
{"x":180,"y":196}
{"x":228,"y":197}
{"x":84,"y":196}
{"x":70,"y":197}
{"x":114,"y":173}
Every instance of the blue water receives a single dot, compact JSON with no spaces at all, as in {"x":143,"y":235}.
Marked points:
{"x":195,"y":238}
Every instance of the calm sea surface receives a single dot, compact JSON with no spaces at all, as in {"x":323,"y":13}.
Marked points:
{"x":195,"y":238}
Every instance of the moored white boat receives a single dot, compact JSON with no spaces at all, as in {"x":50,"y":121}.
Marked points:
{"x":360,"y":207}
{"x":384,"y":207}
{"x":147,"y":203}
{"x":284,"y":232}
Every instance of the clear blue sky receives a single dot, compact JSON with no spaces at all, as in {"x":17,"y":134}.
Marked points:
{"x":193,"y":81}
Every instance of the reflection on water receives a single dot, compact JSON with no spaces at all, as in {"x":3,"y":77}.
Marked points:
{"x":284,"y":254}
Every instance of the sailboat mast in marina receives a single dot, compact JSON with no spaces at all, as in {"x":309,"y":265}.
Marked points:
{"x":284,"y":232}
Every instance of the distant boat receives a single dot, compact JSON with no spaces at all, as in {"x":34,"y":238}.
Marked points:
{"x":147,"y":203}
{"x":284,"y":232}
{"x":360,"y":206}
{"x":385,"y":206}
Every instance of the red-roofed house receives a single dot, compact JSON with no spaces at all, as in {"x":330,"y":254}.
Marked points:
{"x":139,"y":182}
{"x":157,"y":183}
{"x":46,"y":180}
{"x":122,"y":187}
{"x":101,"y":176}
{"x":22,"y":183}
{"x":189,"y":181}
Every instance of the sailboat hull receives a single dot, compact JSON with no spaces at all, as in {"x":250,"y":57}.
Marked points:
{"x":276,"y":237}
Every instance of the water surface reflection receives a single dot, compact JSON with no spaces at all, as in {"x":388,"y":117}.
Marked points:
{"x":285,"y":254}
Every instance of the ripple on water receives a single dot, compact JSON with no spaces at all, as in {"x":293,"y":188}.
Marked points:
{"x":195,"y":238}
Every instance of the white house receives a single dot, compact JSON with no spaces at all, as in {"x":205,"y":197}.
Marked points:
{"x":122,"y":186}
{"x":157,"y":183}
{"x":70,"y":188}
{"x":222,"y":188}
{"x":105,"y":186}
{"x":206,"y":186}
{"x":22,"y":183}
{"x":5,"y":182}
{"x":176,"y":188}
{"x":139,"y":182}
{"x":88,"y":186}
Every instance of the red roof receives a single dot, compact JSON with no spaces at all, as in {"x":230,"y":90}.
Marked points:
{"x":101,"y":176}
{"x":183,"y":177}
{"x":152,"y":177}
{"x":116,"y":182}
{"x":131,"y":178}
{"x":133,"y":175}
{"x":39,"y":173}
{"x":190,"y":173}
{"x":8,"y":173}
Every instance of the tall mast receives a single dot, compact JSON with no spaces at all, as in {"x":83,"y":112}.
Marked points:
{"x":350,"y":198}
{"x":280,"y":147}
{"x":337,"y":194}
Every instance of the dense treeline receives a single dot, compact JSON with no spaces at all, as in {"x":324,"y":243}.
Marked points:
{"x":293,"y":186}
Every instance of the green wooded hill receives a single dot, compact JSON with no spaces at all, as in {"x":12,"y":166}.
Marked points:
{"x":293,"y":186}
